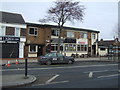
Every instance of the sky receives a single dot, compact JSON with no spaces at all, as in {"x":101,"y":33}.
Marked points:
{"x":99,"y":15}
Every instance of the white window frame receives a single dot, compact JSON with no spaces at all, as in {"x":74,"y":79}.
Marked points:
{"x":34,"y":31}
{"x":70,"y":34}
{"x":93,"y":36}
{"x":17,"y":31}
{"x":33,"y":51}
{"x":2,"y":30}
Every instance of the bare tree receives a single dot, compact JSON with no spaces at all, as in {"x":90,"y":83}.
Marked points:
{"x":63,"y":11}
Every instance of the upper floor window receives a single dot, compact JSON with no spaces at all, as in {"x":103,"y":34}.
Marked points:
{"x":83,"y":35}
{"x":93,"y":36}
{"x":10,"y":31}
{"x":70,"y":34}
{"x":55,"y":33}
{"x":2,"y":30}
{"x":33,"y":31}
{"x":17,"y":32}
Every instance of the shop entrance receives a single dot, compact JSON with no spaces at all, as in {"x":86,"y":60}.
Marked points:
{"x":10,"y":50}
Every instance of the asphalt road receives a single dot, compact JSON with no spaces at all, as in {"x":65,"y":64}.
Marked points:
{"x":77,"y":75}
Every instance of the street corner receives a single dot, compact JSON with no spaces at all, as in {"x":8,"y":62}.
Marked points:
{"x":9,"y":81}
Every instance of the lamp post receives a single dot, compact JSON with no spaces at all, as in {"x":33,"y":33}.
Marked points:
{"x":26,"y":62}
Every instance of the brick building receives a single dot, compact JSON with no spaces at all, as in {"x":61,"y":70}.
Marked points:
{"x":42,"y":39}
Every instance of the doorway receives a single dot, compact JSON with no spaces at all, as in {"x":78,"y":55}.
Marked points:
{"x":40,"y":50}
{"x":93,"y":50}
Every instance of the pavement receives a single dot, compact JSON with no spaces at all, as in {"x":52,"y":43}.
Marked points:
{"x":18,"y":80}
{"x":9,"y":81}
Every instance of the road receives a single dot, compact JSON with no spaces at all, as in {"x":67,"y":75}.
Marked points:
{"x":77,"y":75}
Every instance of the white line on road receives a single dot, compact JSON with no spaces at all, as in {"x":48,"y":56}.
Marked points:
{"x":108,"y":76}
{"x":51,"y":83}
{"x":51,"y":79}
{"x":90,"y":74}
{"x":60,"y":67}
{"x":100,"y":71}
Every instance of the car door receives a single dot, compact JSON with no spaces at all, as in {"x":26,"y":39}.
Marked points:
{"x":54,"y":58}
{"x":60,"y":58}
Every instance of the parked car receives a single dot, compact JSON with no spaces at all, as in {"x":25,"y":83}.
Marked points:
{"x":51,"y":58}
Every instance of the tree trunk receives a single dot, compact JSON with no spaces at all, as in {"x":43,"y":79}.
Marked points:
{"x":59,"y":39}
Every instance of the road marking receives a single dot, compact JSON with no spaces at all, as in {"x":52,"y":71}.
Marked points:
{"x":100,"y":71}
{"x":51,"y":79}
{"x":90,"y":74}
{"x":60,"y":67}
{"x":51,"y":83}
{"x":108,"y":76}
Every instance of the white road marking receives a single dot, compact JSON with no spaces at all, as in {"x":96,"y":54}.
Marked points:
{"x":90,"y":74}
{"x":51,"y":79}
{"x":51,"y":83}
{"x":108,"y":76}
{"x":100,"y":71}
{"x":60,"y":67}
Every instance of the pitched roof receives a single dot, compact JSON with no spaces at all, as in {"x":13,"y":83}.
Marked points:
{"x":106,"y":43}
{"x":13,"y":18}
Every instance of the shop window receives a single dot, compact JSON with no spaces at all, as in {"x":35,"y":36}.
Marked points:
{"x":70,"y":47}
{"x":54,"y":47}
{"x":32,"y":48}
{"x":33,"y":31}
{"x":78,"y":47}
{"x":81,"y":47}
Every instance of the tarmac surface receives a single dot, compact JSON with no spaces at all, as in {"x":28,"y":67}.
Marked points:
{"x":18,"y":80}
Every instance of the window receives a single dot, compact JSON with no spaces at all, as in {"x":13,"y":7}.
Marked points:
{"x":17,"y":32}
{"x":70,"y":34}
{"x":81,"y":47}
{"x":33,"y":31}
{"x":2,"y":30}
{"x":83,"y":35}
{"x":55,"y":32}
{"x":10,"y":31}
{"x":102,"y":49}
{"x":94,"y":36}
{"x":32,"y":48}
{"x":53,"y":47}
{"x":70,"y":47}
{"x":78,"y":47}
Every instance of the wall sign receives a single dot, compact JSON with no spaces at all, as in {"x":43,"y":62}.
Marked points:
{"x":17,"y":39}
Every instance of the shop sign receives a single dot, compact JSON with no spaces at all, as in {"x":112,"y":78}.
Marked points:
{"x":17,"y":39}
{"x":81,"y":43}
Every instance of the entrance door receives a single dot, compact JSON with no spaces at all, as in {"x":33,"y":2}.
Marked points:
{"x":40,"y":50}
{"x":10,"y":50}
{"x":93,"y":50}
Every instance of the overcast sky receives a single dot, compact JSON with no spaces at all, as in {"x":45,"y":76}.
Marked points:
{"x":101,"y":16}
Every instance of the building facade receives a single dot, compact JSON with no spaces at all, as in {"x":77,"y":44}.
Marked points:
{"x":12,"y":35}
{"x":42,"y":39}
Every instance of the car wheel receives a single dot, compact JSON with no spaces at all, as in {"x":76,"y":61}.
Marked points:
{"x":70,"y":62}
{"x":48,"y":63}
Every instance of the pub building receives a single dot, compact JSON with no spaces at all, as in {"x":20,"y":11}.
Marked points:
{"x":43,"y":38}
{"x":12,"y":35}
